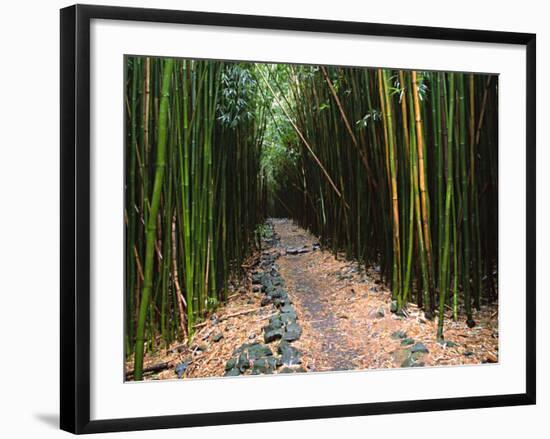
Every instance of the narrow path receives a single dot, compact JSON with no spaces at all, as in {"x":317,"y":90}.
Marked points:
{"x":311,"y":294}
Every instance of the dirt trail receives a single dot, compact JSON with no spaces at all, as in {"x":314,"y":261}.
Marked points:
{"x":345,"y":313}
{"x":308,"y":291}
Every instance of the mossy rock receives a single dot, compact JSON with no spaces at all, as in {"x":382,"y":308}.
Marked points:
{"x":243,"y":362}
{"x":293,"y":332}
{"x":231,"y":363}
{"x":290,"y":356}
{"x":419,"y":347}
{"x":273,"y":334}
{"x":258,"y":350}
{"x":400,"y":334}
{"x":287,"y":318}
{"x":232,"y":372}
{"x":264,"y":366}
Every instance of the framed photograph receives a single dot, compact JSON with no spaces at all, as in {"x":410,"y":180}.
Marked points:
{"x":268,"y":219}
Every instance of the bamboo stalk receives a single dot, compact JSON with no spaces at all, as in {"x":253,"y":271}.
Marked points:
{"x":152,"y":224}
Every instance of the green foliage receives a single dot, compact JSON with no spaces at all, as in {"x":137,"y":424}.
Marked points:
{"x":373,"y":115}
{"x":238,"y":91}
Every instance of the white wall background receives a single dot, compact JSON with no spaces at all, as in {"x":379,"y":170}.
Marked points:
{"x":29,"y":219}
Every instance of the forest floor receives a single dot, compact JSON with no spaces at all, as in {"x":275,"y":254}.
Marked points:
{"x":344,"y":313}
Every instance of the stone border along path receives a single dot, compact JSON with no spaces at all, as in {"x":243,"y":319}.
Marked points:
{"x":257,"y":358}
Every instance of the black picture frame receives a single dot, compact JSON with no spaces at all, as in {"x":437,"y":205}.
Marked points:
{"x":75,"y":217}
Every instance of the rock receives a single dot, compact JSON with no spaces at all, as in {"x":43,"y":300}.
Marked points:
{"x":202,"y":347}
{"x":275,"y":322}
{"x":243,"y":363}
{"x":288,"y":309}
{"x":240,"y":349}
{"x":181,"y":368}
{"x":409,"y":362}
{"x":231,"y":363}
{"x":448,"y":343}
{"x":252,"y":336}
{"x":258,"y":350}
{"x":272,"y":335}
{"x":277,"y":281}
{"x":293,"y":332}
{"x":290,"y":356}
{"x":399,"y":335}
{"x":272,"y":362}
{"x":407,"y":341}
{"x":393,"y":306}
{"x":267,"y":285}
{"x":264,"y":366}
{"x":380,"y":312}
{"x":281,"y":301}
{"x":217,"y":337}
{"x":232,"y":372}
{"x":278,"y":293}
{"x":419,"y":347}
{"x":419,"y":364}
{"x":287,"y":318}
{"x":296,"y":250}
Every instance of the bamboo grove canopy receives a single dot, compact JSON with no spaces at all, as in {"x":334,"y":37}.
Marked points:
{"x":396,"y":169}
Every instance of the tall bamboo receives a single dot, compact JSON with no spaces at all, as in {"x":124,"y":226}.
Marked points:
{"x":152,"y":223}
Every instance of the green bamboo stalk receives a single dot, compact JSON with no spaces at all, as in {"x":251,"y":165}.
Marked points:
{"x":448,"y":142}
{"x":152,"y":224}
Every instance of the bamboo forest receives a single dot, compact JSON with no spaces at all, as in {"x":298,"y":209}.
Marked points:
{"x":305,"y":218}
